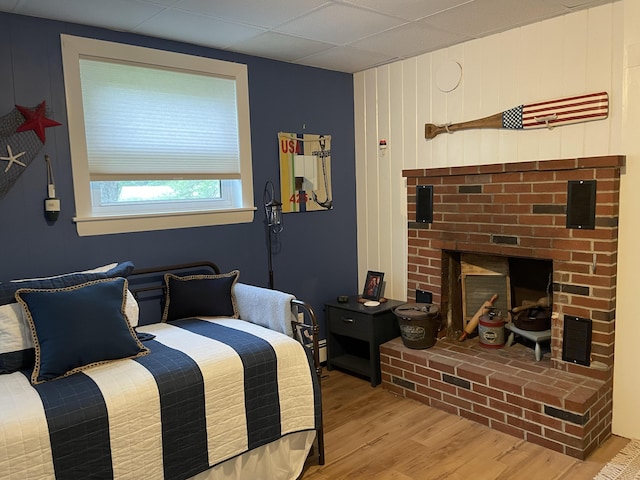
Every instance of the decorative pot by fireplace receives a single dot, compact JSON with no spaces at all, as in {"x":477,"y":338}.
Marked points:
{"x":519,"y":210}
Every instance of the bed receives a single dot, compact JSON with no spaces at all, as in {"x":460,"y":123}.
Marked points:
{"x":160,"y":373}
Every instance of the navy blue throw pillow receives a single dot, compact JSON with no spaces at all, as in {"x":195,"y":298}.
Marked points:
{"x":77,"y":327}
{"x":200,"y":296}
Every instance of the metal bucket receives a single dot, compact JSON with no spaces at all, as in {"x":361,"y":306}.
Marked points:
{"x":419,"y":324}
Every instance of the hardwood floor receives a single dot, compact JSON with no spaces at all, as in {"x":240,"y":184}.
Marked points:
{"x":373,"y":434}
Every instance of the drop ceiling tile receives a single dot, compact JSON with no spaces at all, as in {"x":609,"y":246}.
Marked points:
{"x":408,"y":9}
{"x":92,"y":12}
{"x":409,"y":40}
{"x":253,"y":12}
{"x":339,"y":24}
{"x":197,"y":29}
{"x":279,"y":46}
{"x":345,"y":59}
{"x":483,"y":17}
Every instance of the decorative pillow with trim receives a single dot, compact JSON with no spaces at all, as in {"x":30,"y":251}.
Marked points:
{"x":77,"y":327}
{"x":200,"y":296}
{"x":16,"y":346}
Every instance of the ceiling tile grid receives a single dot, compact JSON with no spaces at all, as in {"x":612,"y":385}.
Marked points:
{"x":343,"y":35}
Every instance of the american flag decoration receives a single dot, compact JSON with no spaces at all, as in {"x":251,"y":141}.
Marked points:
{"x":548,"y":114}
{"x":564,"y":111}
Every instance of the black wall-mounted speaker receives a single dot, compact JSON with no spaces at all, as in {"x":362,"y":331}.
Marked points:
{"x":422,"y":296}
{"x":424,"y":203}
{"x":576,"y":340}
{"x":581,"y":204}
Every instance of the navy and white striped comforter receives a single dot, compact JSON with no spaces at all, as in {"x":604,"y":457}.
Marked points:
{"x":209,"y":391}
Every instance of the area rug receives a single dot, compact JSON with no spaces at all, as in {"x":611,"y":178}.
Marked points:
{"x":624,"y":466}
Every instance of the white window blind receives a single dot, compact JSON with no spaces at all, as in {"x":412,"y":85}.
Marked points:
{"x":158,"y":139}
{"x":155,"y":123}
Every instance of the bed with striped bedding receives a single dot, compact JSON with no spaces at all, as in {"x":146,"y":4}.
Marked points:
{"x":210,"y":390}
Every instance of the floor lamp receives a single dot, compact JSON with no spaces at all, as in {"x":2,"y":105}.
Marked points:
{"x":273,"y":212}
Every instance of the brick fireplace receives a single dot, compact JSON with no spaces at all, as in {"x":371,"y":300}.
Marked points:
{"x":517,"y":210}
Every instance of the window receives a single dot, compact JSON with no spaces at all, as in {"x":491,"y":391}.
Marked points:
{"x":158,"y":139}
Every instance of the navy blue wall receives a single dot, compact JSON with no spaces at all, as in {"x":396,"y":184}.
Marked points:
{"x":317,"y":250}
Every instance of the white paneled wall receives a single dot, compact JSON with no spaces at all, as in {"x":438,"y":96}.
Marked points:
{"x":587,"y":51}
{"x":626,"y":388}
{"x":573,"y":54}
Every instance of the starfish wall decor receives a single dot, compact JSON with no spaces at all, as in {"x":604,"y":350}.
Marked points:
{"x":12,"y":159}
{"x":21,"y":131}
{"x":36,"y":120}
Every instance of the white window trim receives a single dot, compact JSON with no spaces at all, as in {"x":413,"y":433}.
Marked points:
{"x":88,"y":223}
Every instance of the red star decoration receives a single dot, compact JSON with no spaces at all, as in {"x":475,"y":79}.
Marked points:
{"x":35,"y":120}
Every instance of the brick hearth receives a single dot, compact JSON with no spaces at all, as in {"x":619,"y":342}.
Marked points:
{"x":504,"y":389}
{"x":518,"y":210}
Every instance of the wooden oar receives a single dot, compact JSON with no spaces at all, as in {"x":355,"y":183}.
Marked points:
{"x":563,"y":111}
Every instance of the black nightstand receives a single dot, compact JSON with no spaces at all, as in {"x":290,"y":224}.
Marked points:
{"x":355,"y":333}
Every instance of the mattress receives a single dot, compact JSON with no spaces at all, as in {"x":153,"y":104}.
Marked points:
{"x":209,"y":391}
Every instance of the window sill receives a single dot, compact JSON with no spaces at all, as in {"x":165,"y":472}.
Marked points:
{"x":105,"y":225}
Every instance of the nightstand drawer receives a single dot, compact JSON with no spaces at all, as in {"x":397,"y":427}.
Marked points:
{"x":349,"y":323}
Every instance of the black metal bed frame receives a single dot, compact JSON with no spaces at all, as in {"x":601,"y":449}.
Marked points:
{"x":145,"y":280}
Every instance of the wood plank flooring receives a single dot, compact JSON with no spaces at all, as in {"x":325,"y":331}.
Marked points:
{"x":373,"y":434}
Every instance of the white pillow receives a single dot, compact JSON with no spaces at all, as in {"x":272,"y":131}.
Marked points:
{"x":104,"y":268}
{"x":132,"y":310}
{"x":14,"y":331}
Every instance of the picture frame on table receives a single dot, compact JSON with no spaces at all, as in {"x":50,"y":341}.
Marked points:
{"x":373,"y":285}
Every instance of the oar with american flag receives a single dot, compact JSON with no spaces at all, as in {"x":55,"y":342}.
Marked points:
{"x":563,"y":111}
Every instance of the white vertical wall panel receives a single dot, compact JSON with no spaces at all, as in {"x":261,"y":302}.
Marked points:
{"x":360,"y":106}
{"x":454,"y":102}
{"x":618,"y":77}
{"x":398,"y":193}
{"x":509,"y":91}
{"x":471,"y":100}
{"x":550,"y":37}
{"x":384,"y":190}
{"x":418,"y":70}
{"x":439,"y":114}
{"x":574,"y":76}
{"x":626,"y":388}
{"x":490,"y":58}
{"x":599,"y":72}
{"x":411,"y":110}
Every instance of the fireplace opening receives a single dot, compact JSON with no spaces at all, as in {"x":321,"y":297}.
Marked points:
{"x":524,"y":287}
